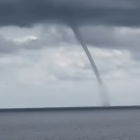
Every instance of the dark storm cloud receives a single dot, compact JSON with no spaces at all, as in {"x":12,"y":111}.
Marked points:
{"x":105,"y":12}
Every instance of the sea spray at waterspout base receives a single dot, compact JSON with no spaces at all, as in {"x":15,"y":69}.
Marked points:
{"x":103,"y":90}
{"x":104,"y":95}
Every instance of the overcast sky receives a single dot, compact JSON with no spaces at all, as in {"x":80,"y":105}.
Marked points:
{"x":43,"y":65}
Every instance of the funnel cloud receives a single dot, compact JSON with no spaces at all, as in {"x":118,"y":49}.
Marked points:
{"x":104,"y":96}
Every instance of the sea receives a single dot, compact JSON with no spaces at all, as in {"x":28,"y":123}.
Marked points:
{"x":104,"y":124}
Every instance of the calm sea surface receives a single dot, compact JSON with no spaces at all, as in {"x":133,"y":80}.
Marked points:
{"x":71,"y":125}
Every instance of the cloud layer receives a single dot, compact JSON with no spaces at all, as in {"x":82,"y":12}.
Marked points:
{"x":65,"y":64}
{"x":94,"y":36}
{"x":98,"y":12}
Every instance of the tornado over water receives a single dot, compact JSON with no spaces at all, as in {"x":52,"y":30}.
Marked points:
{"x":103,"y":90}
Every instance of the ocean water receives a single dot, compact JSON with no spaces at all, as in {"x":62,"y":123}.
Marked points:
{"x":71,"y":125}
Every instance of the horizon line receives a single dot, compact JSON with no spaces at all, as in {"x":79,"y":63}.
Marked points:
{"x":77,"y":108}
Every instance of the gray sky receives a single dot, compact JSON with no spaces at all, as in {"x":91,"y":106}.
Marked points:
{"x":42,"y":64}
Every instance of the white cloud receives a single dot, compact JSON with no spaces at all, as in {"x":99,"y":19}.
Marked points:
{"x":9,"y":60}
{"x":71,"y":63}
